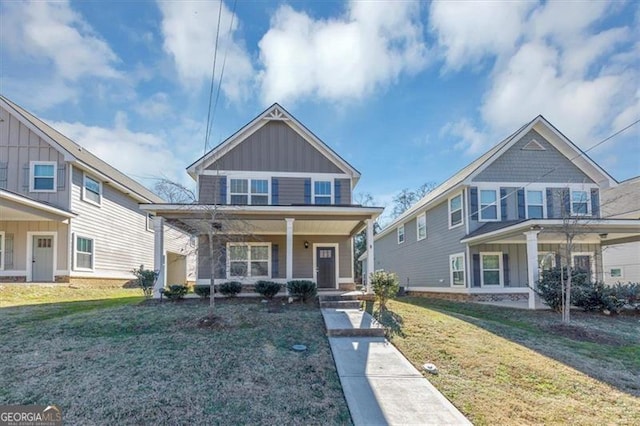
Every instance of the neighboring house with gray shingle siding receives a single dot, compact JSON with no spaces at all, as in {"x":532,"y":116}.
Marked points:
{"x":67,"y":216}
{"x":292,"y":196}
{"x":488,"y":231}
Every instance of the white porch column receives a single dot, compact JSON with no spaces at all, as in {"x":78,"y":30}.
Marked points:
{"x":158,"y":255}
{"x":532,"y":265}
{"x":370,"y":254}
{"x":289,"y":248}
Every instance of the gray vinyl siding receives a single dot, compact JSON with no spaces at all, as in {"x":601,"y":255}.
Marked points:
{"x":18,"y":147}
{"x":275,"y":147}
{"x":18,"y":230}
{"x":423,"y":263}
{"x":345,"y":191}
{"x":518,"y":259}
{"x":518,"y":165}
{"x":290,"y":190}
{"x":625,"y":256}
{"x":209,"y":190}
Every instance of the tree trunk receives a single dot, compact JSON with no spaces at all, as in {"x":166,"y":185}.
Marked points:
{"x":566,"y":310}
{"x":212,"y":267}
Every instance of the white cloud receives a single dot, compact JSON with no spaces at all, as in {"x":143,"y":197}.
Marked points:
{"x":469,"y":138}
{"x":54,"y":32}
{"x":155,"y":106}
{"x":189,"y":30}
{"x":341,"y":58}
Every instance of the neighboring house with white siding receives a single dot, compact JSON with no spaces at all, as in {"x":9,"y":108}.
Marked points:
{"x":291,"y":195}
{"x":622,"y":261}
{"x":488,"y":231}
{"x":67,"y":216}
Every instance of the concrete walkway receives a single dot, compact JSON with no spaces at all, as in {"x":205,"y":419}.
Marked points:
{"x":380,"y":385}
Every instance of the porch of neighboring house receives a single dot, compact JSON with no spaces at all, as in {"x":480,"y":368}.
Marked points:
{"x":34,"y":240}
{"x":276,"y":243}
{"x":506,"y":257}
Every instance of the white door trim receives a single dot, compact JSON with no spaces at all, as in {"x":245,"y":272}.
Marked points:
{"x":315,"y":261}
{"x":28,"y":260}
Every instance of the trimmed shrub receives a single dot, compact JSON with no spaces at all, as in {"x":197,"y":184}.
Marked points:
{"x":146,"y":278}
{"x":204,"y":291}
{"x":175,"y":291}
{"x":385,"y":286}
{"x":303,"y":289}
{"x":230,"y":288}
{"x":267,"y":289}
{"x":550,"y":286}
{"x":630,"y":292}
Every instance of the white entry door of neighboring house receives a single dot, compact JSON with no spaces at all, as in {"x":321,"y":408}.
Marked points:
{"x":42,"y":258}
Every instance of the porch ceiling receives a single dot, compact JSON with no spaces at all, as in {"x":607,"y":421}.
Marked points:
{"x":15,"y":207}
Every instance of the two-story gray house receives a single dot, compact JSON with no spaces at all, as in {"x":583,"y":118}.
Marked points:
{"x":288,"y":198}
{"x":488,"y":231}
{"x":67,"y":216}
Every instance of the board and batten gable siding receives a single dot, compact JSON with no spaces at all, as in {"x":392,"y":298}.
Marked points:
{"x":17,"y":230}
{"x":518,"y":165}
{"x":423,"y":263}
{"x":275,"y":147}
{"x":18,"y":147}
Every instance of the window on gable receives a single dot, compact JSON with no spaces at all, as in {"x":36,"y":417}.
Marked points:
{"x":84,"y":253}
{"x":455,"y":211}
{"x":488,"y":204}
{"x":259,"y":192}
{"x":249,"y":191}
{"x":43,"y":176}
{"x":400,"y":233}
{"x":491,"y":269}
{"x":579,"y":203}
{"x":322,"y":192}
{"x":535,"y":205}
{"x":249,"y":260}
{"x":421,"y":224}
{"x":239,"y":191}
{"x":92,"y":191}
{"x":456,"y":269}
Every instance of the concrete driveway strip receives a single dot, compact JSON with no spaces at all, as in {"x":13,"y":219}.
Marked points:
{"x":383,"y":388}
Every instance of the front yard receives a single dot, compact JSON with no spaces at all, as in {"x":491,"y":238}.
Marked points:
{"x":508,"y":366}
{"x":115,"y":361}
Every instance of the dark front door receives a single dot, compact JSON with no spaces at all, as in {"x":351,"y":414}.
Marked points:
{"x":326,"y":267}
{"x":582,"y":264}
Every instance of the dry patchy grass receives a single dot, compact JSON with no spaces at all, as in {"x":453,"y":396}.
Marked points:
{"x":29,"y":294}
{"x":504,"y":366}
{"x":122,"y":363}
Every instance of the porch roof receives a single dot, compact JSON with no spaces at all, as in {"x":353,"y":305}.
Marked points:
{"x":270,"y":220}
{"x":17,"y":207}
{"x":587,"y":230}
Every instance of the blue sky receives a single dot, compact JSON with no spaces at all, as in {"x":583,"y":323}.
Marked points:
{"x":407,"y":92}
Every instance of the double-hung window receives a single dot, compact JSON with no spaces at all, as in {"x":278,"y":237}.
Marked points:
{"x":322,"y":192}
{"x":456,"y":269}
{"x":249,"y":260}
{"x":400,"y":234}
{"x":535,"y":205}
{"x":579,"y":203}
{"x":421,"y":225}
{"x":249,"y":191}
{"x":84,"y":253}
{"x":43,"y":176}
{"x":455,"y":211}
{"x":488,"y":204}
{"x":92,"y":191}
{"x":491,"y":269}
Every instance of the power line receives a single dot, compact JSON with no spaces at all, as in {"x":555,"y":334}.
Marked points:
{"x":213,"y":71}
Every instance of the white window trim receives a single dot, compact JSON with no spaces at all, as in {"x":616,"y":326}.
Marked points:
{"x":588,"y":201}
{"x":423,"y":216}
{"x":498,"y":204}
{"x":75,"y":253}
{"x":249,"y":245}
{"x":331,"y":188}
{"x":3,"y":250}
{"x":149,"y":221}
{"x":84,"y":189}
{"x":464,"y":270}
{"x":553,"y":260}
{"x":32,"y":165}
{"x":248,"y":193}
{"x":398,"y":233}
{"x":461,"y":210}
{"x":544,"y":201}
{"x":500,"y":267}
{"x":592,"y":262}
{"x":616,"y":267}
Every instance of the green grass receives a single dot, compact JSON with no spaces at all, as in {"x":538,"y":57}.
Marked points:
{"x":116,"y":361}
{"x":508,"y":366}
{"x":31,"y":294}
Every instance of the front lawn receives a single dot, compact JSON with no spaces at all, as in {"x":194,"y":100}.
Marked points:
{"x":118,"y":362}
{"x":509,"y":366}
{"x":18,"y":294}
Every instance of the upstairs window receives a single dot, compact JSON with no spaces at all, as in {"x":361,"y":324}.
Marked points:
{"x":92,"y":191}
{"x":488,"y":204}
{"x":400,"y":232}
{"x":579,"y":203}
{"x":239,"y":191}
{"x":322,"y":192}
{"x":421,"y":224}
{"x":259,"y":192}
{"x":249,"y":191}
{"x":455,"y":211}
{"x":43,"y":176}
{"x":535,"y":205}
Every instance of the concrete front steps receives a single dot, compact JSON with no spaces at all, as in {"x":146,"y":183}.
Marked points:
{"x":344,"y":318}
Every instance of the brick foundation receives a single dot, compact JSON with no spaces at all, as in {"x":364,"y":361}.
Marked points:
{"x":347,"y":286}
{"x":21,"y":279}
{"x":464,"y":297}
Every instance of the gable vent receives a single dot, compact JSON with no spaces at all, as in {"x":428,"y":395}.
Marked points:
{"x":276,"y":114}
{"x":533,"y":145}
